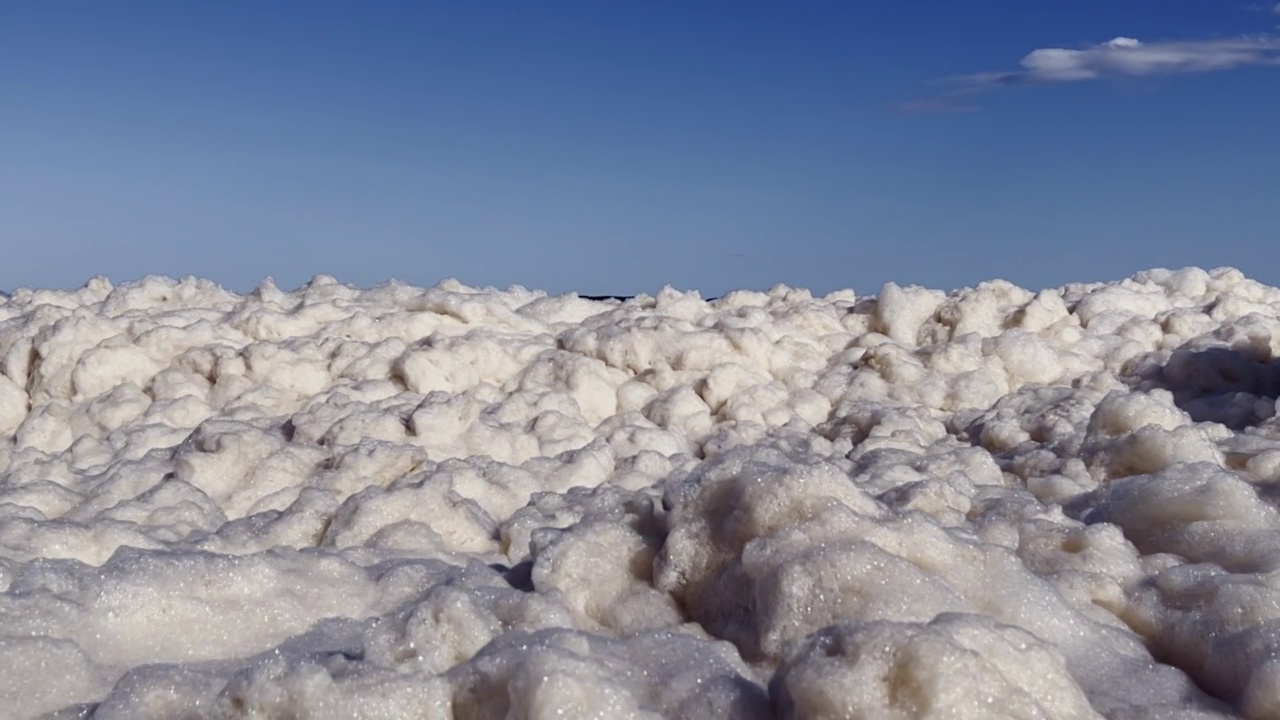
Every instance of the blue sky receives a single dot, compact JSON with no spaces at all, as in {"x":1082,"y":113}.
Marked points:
{"x":614,"y":147}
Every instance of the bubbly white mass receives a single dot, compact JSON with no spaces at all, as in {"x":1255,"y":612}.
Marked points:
{"x":452,"y":502}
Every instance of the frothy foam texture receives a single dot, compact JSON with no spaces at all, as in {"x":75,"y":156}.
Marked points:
{"x":451,"y":502}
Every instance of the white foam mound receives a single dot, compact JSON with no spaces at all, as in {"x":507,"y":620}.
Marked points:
{"x":450,"y":502}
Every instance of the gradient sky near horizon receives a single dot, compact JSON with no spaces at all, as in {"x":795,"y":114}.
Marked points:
{"x":615,"y":147}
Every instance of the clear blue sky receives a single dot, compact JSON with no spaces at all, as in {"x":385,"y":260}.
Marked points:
{"x":613,"y":147}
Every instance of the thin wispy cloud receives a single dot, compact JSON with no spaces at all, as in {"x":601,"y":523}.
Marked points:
{"x":1129,"y":57}
{"x":1119,"y":57}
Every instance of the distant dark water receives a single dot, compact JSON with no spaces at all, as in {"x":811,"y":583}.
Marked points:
{"x":621,"y":298}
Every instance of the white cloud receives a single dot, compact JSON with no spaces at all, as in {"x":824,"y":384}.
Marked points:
{"x":1118,"y":57}
{"x":1125,"y":56}
{"x":1276,"y":8}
